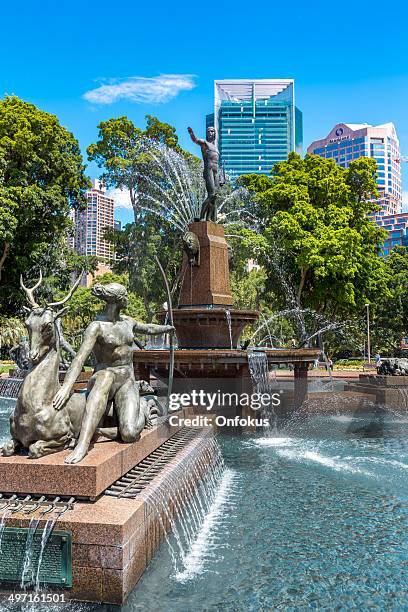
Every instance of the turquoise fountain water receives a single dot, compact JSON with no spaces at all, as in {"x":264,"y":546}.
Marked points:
{"x":313,"y":520}
{"x":314,"y":517}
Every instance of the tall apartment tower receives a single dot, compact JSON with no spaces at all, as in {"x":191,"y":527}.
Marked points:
{"x":71,"y":231}
{"x":348,"y":141}
{"x":257,"y":124}
{"x":90,"y":224}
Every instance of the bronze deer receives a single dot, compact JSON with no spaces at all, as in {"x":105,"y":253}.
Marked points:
{"x":35,"y":425}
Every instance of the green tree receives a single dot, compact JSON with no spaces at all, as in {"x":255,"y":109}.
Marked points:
{"x":41,"y":177}
{"x":161,"y":132}
{"x":389,"y":312}
{"x":83,"y":307}
{"x":11,"y":331}
{"x":124,"y":155}
{"x":122,"y":152}
{"x":118,"y":152}
{"x":315,"y":238}
{"x":136,"y":247}
{"x":247,"y":289}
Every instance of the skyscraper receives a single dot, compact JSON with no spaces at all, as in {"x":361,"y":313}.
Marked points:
{"x":90,"y":224}
{"x":348,"y":141}
{"x":397,"y":228}
{"x":257,"y":124}
{"x":71,"y":231}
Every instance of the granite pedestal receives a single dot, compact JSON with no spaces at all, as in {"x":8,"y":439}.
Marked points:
{"x":113,"y":538}
{"x":208,"y":283}
{"x":106,"y":462}
{"x":389,"y":391}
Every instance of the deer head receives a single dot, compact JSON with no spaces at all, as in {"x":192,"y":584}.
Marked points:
{"x":42,"y":322}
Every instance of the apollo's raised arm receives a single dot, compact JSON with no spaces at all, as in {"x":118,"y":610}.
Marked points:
{"x":193,"y":137}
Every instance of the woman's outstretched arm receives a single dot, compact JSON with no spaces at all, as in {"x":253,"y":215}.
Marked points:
{"x":152,"y":329}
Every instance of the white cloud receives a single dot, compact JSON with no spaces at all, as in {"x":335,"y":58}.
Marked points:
{"x":121,"y":197}
{"x":138,"y":89}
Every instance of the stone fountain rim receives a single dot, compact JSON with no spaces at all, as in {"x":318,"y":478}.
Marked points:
{"x":218,"y":310}
{"x":308,"y":354}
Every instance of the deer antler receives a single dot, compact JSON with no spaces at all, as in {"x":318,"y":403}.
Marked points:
{"x":30,"y":292}
{"x":66,"y":298}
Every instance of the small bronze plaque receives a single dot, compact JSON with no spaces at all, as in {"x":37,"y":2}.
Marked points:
{"x":56,"y":561}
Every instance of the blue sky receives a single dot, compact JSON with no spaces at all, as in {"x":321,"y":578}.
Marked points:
{"x":348,"y":59}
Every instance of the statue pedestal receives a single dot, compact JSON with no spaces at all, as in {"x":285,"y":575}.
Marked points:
{"x":105,"y":463}
{"x":204,"y":317}
{"x":207,"y":284}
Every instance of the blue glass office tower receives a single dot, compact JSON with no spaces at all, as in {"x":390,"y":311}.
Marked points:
{"x":257,"y":124}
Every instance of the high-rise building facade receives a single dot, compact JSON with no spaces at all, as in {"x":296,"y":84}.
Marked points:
{"x":257,"y":124}
{"x":91,"y":223}
{"x":397,"y":228}
{"x":71,"y":231}
{"x":348,"y":141}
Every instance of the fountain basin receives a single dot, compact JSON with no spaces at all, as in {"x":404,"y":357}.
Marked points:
{"x":227,"y":363}
{"x":215,"y":328}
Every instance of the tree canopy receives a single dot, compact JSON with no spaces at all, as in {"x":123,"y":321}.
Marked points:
{"x":125,"y":158}
{"x":42,"y":176}
{"x":136,"y":247}
{"x":122,"y":155}
{"x":315,"y":239}
{"x":389,"y":312}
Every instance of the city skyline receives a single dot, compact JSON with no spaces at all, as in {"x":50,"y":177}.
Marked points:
{"x":171,"y":73}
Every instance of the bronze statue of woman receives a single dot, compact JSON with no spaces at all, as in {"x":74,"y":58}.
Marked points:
{"x":110,"y":338}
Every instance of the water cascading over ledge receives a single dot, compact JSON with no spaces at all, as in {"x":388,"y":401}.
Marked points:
{"x":186,"y":501}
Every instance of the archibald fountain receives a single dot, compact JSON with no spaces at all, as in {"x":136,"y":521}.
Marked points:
{"x":208,"y":327}
{"x":94,"y":461}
